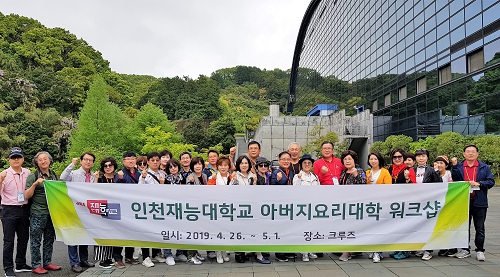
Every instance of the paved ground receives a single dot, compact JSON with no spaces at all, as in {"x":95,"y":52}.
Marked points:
{"x":326,"y":266}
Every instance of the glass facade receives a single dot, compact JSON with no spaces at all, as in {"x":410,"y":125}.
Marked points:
{"x":422,"y":67}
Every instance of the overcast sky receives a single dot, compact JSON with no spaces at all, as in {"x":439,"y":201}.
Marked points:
{"x":167,"y":38}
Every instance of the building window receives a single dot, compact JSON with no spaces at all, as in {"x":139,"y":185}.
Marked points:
{"x":375,"y":105}
{"x":444,"y":74}
{"x":475,"y":61}
{"x":387,"y":100}
{"x":402,"y":93}
{"x":421,"y":84}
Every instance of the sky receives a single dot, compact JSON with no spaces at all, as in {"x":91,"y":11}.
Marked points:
{"x":166,"y":38}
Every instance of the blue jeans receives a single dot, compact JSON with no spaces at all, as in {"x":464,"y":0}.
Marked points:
{"x":167,"y":252}
{"x":78,"y":254}
{"x":478,"y":216}
{"x":41,"y":227}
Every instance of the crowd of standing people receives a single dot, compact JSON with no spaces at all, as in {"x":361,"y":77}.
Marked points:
{"x":25,"y":212}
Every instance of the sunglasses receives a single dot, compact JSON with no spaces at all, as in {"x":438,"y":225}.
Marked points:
{"x":108,"y":165}
{"x":142,"y":164}
{"x":397,"y":157}
{"x":263,"y":165}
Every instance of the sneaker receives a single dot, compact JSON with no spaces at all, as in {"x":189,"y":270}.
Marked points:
{"x":182,"y":258}
{"x":313,"y":256}
{"x":105,"y":265}
{"x":211,"y":254}
{"x":219,"y":258}
{"x":443,"y":252}
{"x":119,"y":265}
{"x":225,"y":256}
{"x":463,"y":253}
{"x":263,"y":261}
{"x":199,"y":257}
{"x":87,"y":264}
{"x":376,"y":257}
{"x":52,"y":267}
{"x":426,"y":256}
{"x":281,"y":258}
{"x":131,"y":261}
{"x":194,"y":261}
{"x":480,"y":256}
{"x":147,"y":262}
{"x":77,"y":269}
{"x":420,"y":253}
{"x":305,"y":257}
{"x":452,"y":252}
{"x":10,"y":273}
{"x":40,"y":270}
{"x":401,"y":255}
{"x":346,"y":256}
{"x":170,"y":260}
{"x":158,"y":259}
{"x":23,"y":268}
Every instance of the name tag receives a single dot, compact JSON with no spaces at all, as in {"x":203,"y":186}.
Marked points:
{"x":20,"y":197}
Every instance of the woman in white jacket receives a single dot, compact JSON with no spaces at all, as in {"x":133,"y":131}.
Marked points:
{"x":306,"y":177}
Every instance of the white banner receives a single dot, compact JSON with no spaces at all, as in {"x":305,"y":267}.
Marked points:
{"x":262,"y":218}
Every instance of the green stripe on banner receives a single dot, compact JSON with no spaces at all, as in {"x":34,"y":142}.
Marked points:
{"x":455,"y":212}
{"x":266,"y":248}
{"x":62,"y":210}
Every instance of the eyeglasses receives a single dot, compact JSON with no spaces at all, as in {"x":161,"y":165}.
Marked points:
{"x":15,"y":157}
{"x":397,"y":157}
{"x":142,"y":164}
{"x":263,"y":165}
{"x":108,"y":165}
{"x":173,"y":166}
{"x":88,"y":160}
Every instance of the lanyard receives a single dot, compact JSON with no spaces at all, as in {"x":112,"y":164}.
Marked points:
{"x":473,"y":174}
{"x":328,"y":166}
{"x":17,"y":186}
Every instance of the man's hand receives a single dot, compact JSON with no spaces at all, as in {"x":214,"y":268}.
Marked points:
{"x":74,"y":161}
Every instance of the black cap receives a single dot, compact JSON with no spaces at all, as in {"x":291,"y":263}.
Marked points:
{"x":262,"y":160}
{"x":16,"y":151}
{"x":306,"y":157}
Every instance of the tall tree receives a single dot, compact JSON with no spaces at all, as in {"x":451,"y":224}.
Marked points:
{"x":100,"y":124}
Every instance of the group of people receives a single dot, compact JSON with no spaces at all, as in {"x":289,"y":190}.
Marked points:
{"x":31,"y":219}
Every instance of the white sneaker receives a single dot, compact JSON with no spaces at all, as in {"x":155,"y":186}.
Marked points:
{"x":305,"y":257}
{"x":463,"y":253}
{"x":159,"y":259}
{"x":376,"y":257}
{"x":419,"y":253}
{"x":225,"y":256}
{"x":199,"y":257}
{"x":182,"y":258}
{"x":313,"y":256}
{"x":195,"y":261}
{"x":170,"y":260}
{"x":426,"y":256}
{"x":480,"y":256}
{"x":147,"y":262}
{"x":345,"y":256}
{"x":220,"y":259}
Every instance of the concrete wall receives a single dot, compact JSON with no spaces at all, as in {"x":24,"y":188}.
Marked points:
{"x":276,"y":133}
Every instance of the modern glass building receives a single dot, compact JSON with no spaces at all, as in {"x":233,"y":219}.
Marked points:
{"x":422,"y":67}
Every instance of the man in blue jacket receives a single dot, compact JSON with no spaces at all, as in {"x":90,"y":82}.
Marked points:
{"x":480,"y":178}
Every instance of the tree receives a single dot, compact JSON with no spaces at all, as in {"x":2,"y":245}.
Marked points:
{"x":100,"y":125}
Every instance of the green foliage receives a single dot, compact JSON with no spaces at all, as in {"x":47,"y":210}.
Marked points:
{"x":392,"y":142}
{"x":314,"y":146}
{"x":221,"y":132}
{"x":158,"y":140}
{"x":100,"y":125}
